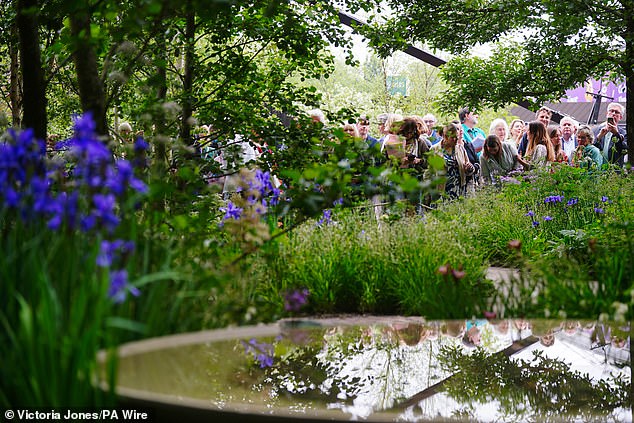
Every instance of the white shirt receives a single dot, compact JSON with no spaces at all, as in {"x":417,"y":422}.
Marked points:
{"x":569,"y":147}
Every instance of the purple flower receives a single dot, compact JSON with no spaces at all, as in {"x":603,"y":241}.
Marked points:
{"x":326,"y":218}
{"x":535,"y":223}
{"x":119,"y":286}
{"x":605,"y":199}
{"x":530,"y":213}
{"x":572,"y":202}
{"x":554,"y":199}
{"x":105,"y":210}
{"x":296,"y":299}
{"x":338,"y":202}
{"x":262,"y":353}
{"x":110,"y":251}
{"x":231,"y":211}
{"x":599,"y":210}
{"x":141,"y":145}
{"x":547,"y":218}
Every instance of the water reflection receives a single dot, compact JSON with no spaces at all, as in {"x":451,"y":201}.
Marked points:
{"x":404,"y":369}
{"x":504,"y":370}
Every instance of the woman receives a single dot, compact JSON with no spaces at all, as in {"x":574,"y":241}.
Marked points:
{"x":498,"y":159}
{"x":587,"y":155}
{"x":415,"y":145}
{"x":554,"y":133}
{"x":517,"y":131}
{"x":500,"y":128}
{"x":457,"y":164}
{"x":539,"y":151}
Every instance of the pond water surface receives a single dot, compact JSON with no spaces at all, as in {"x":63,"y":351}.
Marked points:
{"x":392,"y":369}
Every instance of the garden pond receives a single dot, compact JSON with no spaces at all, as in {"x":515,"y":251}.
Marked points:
{"x":386,"y":369}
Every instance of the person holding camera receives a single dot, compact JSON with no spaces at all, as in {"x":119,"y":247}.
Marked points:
{"x":609,"y":138}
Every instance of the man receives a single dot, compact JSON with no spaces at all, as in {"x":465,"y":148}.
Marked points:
{"x":609,"y":138}
{"x":431,"y":121}
{"x":544,"y":114}
{"x":471,"y":134}
{"x":569,"y":128}
{"x":363,"y":126}
{"x":383,"y":131}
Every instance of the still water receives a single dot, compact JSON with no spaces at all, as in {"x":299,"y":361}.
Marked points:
{"x":393,"y":369}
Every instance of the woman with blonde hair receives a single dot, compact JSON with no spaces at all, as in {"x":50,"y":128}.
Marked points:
{"x":540,"y":150}
{"x":516,"y":131}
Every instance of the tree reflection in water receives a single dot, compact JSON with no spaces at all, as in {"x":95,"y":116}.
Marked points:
{"x":429,"y":370}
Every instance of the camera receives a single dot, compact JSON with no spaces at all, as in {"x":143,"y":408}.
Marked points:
{"x":411,"y":157}
{"x":610,"y":121}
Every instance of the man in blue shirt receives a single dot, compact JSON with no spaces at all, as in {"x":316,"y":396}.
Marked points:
{"x":471,"y":133}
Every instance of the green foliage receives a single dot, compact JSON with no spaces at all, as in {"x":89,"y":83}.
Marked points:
{"x":54,"y":317}
{"x":354,"y":266}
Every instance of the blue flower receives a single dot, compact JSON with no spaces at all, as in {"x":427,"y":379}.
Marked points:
{"x":119,"y":286}
{"x":326,"y":218}
{"x":105,"y":210}
{"x":262,"y":353}
{"x":599,"y":210}
{"x":141,"y":145}
{"x":530,"y":213}
{"x":338,"y":202}
{"x":572,"y":202}
{"x":231,"y":211}
{"x":604,"y":199}
{"x":547,"y":218}
{"x":535,"y":223}
{"x":554,"y":199}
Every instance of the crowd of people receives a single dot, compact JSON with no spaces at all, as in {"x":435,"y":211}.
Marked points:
{"x":472,"y":158}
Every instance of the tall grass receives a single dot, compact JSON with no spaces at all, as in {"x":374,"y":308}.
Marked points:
{"x":353,"y":265}
{"x":569,"y":232}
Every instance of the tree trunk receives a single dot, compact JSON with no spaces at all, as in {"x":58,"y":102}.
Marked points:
{"x":33,"y":87}
{"x":188,"y":76}
{"x":15,"y":82}
{"x":91,"y":90}
{"x":161,"y":96}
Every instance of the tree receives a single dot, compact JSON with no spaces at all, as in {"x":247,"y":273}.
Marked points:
{"x":34,"y":97}
{"x":544,"y":47}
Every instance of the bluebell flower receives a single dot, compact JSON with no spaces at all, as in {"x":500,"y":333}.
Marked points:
{"x":599,"y":210}
{"x":338,"y":202}
{"x":530,"y":213}
{"x":572,"y":202}
{"x":547,"y":218}
{"x":535,"y":223}
{"x":605,"y":199}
